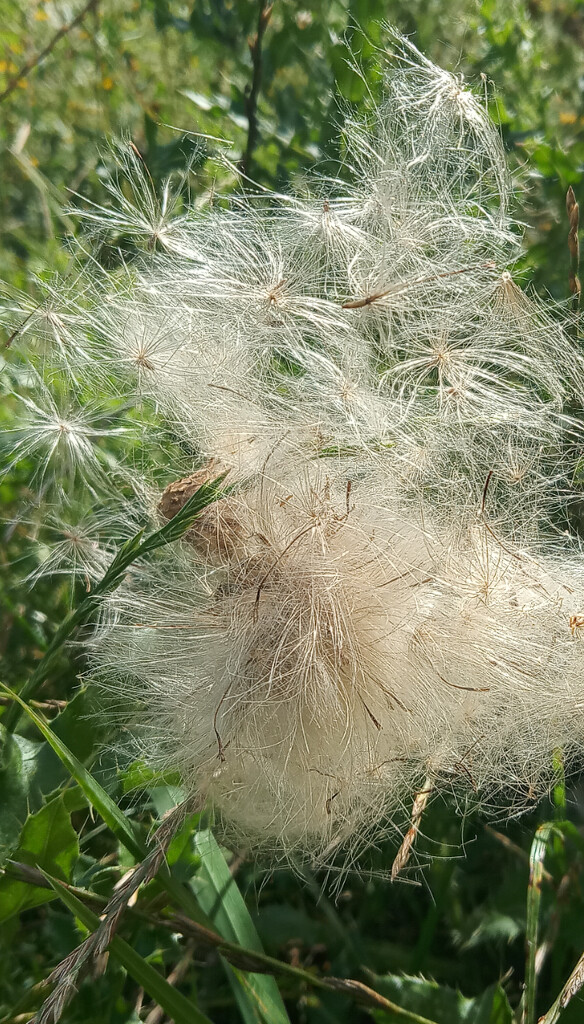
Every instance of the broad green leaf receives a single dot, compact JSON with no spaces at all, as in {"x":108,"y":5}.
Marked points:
{"x":95,"y":793}
{"x":48,"y":841}
{"x":114,"y":818}
{"x":493,"y":1007}
{"x":220,"y":898}
{"x":175,"y":1005}
{"x":139,"y":775}
{"x":180,"y":854}
{"x":17,"y":787}
{"x":440,"y":1004}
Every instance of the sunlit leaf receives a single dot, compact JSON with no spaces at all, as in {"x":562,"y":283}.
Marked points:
{"x":48,"y":841}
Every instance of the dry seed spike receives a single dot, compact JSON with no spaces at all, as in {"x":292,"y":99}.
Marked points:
{"x":420,"y":803}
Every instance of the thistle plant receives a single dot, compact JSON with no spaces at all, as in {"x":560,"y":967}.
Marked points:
{"x":390,"y":596}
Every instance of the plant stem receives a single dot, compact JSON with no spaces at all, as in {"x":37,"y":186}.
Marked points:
{"x":251,"y":103}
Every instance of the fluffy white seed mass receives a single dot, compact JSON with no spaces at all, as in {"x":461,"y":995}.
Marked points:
{"x":391,"y":592}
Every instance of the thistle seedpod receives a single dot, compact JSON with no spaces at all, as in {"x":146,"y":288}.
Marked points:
{"x":389,"y":600}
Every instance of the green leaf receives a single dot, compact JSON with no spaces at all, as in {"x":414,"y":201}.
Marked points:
{"x":441,"y":1004}
{"x":559,"y":790}
{"x":47,"y":841}
{"x":139,"y":775}
{"x":96,"y":795}
{"x":81,"y":727}
{"x":17,"y":785}
{"x":220,"y":898}
{"x":569,"y":990}
{"x":175,"y":1005}
{"x":539,"y":847}
{"x":349,"y":83}
{"x":114,"y":818}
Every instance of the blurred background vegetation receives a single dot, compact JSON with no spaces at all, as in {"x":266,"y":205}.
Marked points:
{"x":165,"y":74}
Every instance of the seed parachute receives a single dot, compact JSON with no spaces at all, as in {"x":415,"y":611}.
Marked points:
{"x":391,"y":591}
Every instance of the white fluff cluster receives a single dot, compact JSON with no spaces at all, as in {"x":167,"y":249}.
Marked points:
{"x":390,"y":592}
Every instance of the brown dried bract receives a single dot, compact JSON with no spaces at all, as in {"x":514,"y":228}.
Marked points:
{"x":179,"y":491}
{"x":216,"y":533}
{"x":576,"y":623}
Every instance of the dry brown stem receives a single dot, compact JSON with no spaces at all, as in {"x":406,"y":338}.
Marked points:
{"x":403,"y":854}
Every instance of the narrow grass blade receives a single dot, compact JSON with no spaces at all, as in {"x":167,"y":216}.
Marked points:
{"x":218,"y":888}
{"x":575,"y":982}
{"x":222,"y":901}
{"x":134,"y":548}
{"x":354,"y":990}
{"x":539,"y":847}
{"x":245,"y":1001}
{"x":573,"y":211}
{"x":214,"y":897}
{"x":175,"y":1005}
{"x":215,"y":893}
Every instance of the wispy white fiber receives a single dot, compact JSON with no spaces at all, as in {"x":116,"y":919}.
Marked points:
{"x":393,"y":590}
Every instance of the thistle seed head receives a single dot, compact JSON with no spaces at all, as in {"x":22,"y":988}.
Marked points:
{"x":390,"y":593}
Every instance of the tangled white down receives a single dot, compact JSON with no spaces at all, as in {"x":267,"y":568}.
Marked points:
{"x":391,"y":591}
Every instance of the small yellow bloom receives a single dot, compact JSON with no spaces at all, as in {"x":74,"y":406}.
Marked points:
{"x":107,"y":83}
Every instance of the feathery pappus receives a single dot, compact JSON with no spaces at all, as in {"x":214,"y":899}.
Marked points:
{"x":391,"y":591}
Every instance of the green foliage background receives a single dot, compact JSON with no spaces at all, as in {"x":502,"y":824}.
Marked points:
{"x":136,"y":69}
